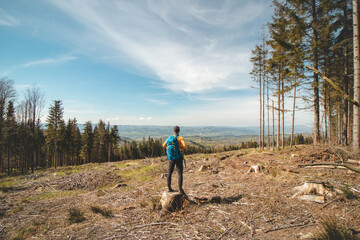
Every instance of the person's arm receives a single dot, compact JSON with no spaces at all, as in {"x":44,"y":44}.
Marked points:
{"x":164,"y":144}
{"x":182,"y":143}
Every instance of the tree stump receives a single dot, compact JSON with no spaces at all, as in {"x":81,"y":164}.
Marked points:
{"x":314,"y":192}
{"x":172,"y":201}
{"x":256,"y":168}
{"x":314,"y":188}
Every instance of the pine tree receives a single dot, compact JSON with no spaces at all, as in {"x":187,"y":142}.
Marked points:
{"x":54,"y":122}
{"x":279,"y":42}
{"x":114,"y":142}
{"x":10,"y":134}
{"x":87,"y":141}
{"x":100,"y":142}
{"x":296,"y":56}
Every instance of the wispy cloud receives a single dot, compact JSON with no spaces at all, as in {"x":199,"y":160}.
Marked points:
{"x":191,"y":46}
{"x":7,"y":20}
{"x":50,"y":61}
{"x":157,"y":101}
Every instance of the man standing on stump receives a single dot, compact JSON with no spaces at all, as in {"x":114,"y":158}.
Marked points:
{"x":174,"y":144}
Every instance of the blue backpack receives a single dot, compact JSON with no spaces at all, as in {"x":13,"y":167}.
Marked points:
{"x":172,"y":148}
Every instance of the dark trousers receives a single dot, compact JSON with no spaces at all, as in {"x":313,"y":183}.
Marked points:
{"x":179,"y":167}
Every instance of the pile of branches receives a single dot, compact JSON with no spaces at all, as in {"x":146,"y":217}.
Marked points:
{"x":87,"y":180}
{"x":313,"y":155}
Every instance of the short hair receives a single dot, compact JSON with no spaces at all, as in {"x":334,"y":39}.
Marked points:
{"x":176,"y":129}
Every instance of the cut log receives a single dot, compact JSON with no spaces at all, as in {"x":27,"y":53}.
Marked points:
{"x":330,"y":164}
{"x":172,"y":201}
{"x":353,"y":161}
{"x":313,"y":198}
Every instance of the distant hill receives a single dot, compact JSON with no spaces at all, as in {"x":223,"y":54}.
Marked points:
{"x":140,"y":131}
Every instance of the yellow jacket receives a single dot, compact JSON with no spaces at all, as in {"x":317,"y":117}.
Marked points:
{"x":181,"y":143}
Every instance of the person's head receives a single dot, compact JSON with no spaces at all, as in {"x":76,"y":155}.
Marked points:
{"x":176,"y":129}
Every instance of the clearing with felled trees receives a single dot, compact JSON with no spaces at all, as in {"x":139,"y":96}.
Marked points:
{"x":243,"y":194}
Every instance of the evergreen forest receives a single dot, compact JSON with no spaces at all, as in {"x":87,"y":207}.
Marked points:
{"x":308,"y":58}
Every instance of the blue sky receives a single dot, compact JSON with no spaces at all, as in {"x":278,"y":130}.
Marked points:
{"x":137,"y":62}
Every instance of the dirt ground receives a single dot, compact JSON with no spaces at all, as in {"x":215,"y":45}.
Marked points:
{"x":231,"y":201}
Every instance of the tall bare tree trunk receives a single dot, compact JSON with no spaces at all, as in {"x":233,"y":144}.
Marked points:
{"x":260,"y":127}
{"x":268,"y":110}
{"x":330,"y":122}
{"x":326,"y":137}
{"x":356,"y":124}
{"x":293,"y":116}
{"x":316,"y":78}
{"x":273,"y":126}
{"x":263,"y":63}
{"x":346,"y":87}
{"x":8,"y":158}
{"x":282,"y":114}
{"x":263,"y":112}
{"x":278,"y":128}
{"x":339,"y":124}
{"x":55,"y":152}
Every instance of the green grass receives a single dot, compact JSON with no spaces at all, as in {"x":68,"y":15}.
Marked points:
{"x":348,"y":194}
{"x":7,"y":185}
{"x":141,"y":174}
{"x":59,"y":174}
{"x":122,"y":165}
{"x":51,"y":195}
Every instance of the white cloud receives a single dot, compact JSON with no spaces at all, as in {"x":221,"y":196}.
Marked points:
{"x":157,"y":101}
{"x":191,"y":46}
{"x":7,"y":20}
{"x":147,"y":119}
{"x":50,"y":61}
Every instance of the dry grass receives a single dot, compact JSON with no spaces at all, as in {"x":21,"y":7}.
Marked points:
{"x":333,"y":229}
{"x":75,"y":215}
{"x":102,"y":210}
{"x":257,"y":206}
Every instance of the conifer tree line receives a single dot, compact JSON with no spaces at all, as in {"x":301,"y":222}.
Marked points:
{"x":323,"y":35}
{"x":27,"y":144}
